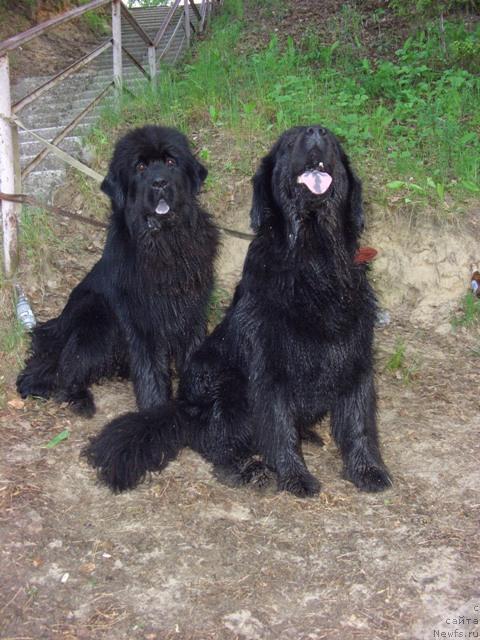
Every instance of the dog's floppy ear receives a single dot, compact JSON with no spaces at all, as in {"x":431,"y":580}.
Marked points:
{"x":200,"y":174}
{"x":112,"y":187}
{"x":262,"y":203}
{"x":354,"y":196}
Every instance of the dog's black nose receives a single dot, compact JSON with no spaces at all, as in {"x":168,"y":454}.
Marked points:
{"x":159,"y":183}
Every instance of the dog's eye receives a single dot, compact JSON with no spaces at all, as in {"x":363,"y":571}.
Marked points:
{"x":141,"y":166}
{"x":170,"y":162}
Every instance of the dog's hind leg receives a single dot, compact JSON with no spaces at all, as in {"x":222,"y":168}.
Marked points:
{"x":355,"y":431}
{"x":90,"y":353}
{"x":215,"y":396}
{"x":307,"y":431}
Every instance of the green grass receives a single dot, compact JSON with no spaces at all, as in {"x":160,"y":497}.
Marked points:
{"x":12,"y":337}
{"x":219,"y":301}
{"x":411,"y":124}
{"x":37,"y":236}
{"x":399,"y":366}
{"x":469,"y":315}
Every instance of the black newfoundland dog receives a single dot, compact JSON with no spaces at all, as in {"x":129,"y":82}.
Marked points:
{"x":143,"y":305}
{"x":295,"y":344}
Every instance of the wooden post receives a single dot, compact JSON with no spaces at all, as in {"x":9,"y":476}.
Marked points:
{"x":152,"y":64}
{"x":187,"y":21}
{"x":8,"y":162}
{"x":117,"y":44}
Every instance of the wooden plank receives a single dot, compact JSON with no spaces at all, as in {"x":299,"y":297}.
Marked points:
{"x":58,"y":138}
{"x":10,"y":210}
{"x":174,"y":33}
{"x":22,"y":38}
{"x":195,"y":10}
{"x":134,"y":24}
{"x":186,"y":12}
{"x":63,"y":155}
{"x":161,"y":32}
{"x":203,"y":14}
{"x":117,"y":43}
{"x":179,"y":50}
{"x":152,"y":63}
{"x":135,"y":61}
{"x":78,"y":64}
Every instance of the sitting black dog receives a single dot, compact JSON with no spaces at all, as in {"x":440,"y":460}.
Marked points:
{"x":144,"y":304}
{"x":295,"y":344}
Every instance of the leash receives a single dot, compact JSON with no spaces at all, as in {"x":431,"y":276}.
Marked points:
{"x":364,"y":255}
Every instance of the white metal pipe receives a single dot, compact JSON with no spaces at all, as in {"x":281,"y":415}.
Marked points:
{"x":10,"y":210}
{"x":117,"y":43}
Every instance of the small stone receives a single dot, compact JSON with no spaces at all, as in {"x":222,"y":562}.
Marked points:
{"x":87,"y":568}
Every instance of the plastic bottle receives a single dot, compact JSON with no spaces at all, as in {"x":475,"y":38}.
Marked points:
{"x":24,"y":310}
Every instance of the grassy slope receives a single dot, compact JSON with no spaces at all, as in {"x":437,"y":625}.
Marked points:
{"x":409,"y":117}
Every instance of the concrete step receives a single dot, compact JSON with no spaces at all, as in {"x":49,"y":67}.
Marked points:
{"x":43,"y":182}
{"x":30,"y":148}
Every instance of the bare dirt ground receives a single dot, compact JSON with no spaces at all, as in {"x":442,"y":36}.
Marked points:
{"x":185,"y":557}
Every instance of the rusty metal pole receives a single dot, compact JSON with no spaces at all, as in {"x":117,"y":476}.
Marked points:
{"x":187,"y":21}
{"x":8,"y":164}
{"x":117,"y":44}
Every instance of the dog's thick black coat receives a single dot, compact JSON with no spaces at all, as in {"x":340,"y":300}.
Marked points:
{"x":295,"y":344}
{"x":143,"y":305}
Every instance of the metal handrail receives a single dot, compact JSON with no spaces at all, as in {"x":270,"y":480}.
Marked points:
{"x":161,"y":32}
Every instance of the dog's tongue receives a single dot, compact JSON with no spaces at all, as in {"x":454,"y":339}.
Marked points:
{"x":162,"y":207}
{"x":317,"y":181}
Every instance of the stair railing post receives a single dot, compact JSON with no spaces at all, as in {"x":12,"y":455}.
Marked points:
{"x":152,"y":64}
{"x":187,"y":21}
{"x":9,"y":163}
{"x":117,"y":44}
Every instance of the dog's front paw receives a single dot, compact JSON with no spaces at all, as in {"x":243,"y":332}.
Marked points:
{"x":303,"y":485}
{"x":370,"y":477}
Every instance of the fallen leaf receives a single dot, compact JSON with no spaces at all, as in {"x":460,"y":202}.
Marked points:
{"x":16,"y":403}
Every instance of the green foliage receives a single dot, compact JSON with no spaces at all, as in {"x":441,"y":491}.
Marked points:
{"x":433,"y":7}
{"x":412,"y":123}
{"x":36,"y":234}
{"x":12,"y":337}
{"x":97,"y":23}
{"x":469,"y":315}
{"x":397,"y":359}
{"x":397,"y":364}
{"x":219,"y":301}
{"x":60,"y":437}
